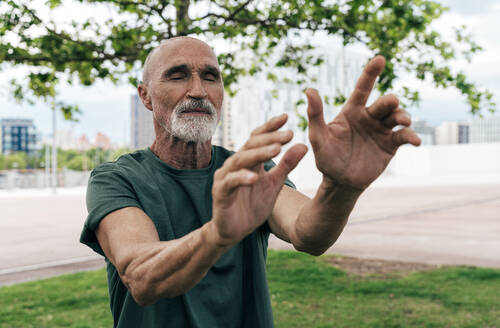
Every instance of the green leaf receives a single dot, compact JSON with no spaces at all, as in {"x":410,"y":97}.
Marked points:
{"x":275,"y":35}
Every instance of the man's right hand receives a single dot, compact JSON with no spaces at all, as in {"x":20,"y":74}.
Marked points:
{"x":243,"y":193}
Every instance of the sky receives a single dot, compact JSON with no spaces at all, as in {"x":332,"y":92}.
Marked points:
{"x":482,"y":20}
{"x":106,"y":107}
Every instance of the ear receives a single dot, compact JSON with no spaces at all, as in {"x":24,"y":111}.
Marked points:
{"x":144,"y":95}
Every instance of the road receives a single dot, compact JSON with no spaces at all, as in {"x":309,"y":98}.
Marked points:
{"x":457,"y":225}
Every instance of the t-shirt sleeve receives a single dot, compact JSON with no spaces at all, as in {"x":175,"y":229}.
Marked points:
{"x":108,"y":190}
{"x":267,"y":166}
{"x":270,"y":164}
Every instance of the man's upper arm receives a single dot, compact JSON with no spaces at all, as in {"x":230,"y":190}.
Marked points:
{"x":108,"y":190}
{"x":122,"y":232}
{"x":285,"y":213}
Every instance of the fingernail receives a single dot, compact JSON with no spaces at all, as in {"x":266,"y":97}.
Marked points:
{"x":273,"y":149}
{"x":278,"y":116}
{"x":313,"y":90}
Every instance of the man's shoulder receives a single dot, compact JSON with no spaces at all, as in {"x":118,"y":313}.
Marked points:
{"x":224,"y":152}
{"x":123,"y":164}
{"x":140,"y":162}
{"x":220,"y":155}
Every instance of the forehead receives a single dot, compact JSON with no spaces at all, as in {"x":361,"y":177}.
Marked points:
{"x":191,"y":52}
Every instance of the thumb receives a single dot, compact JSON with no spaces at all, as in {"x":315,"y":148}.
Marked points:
{"x":288,"y":162}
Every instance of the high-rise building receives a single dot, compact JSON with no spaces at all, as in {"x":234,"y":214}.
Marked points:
{"x":485,"y":130}
{"x":463,"y":133}
{"x":18,"y":135}
{"x":425,"y":131}
{"x":65,"y":139}
{"x":452,"y":133}
{"x":259,"y":99}
{"x":83,"y":143}
{"x":102,"y":141}
{"x":223,"y":134}
{"x":142,"y":132}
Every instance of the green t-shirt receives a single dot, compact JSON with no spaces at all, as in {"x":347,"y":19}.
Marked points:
{"x":233,"y":293}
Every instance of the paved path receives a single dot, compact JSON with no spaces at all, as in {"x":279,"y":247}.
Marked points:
{"x":458,"y":225}
{"x":39,"y":231}
{"x":39,"y":234}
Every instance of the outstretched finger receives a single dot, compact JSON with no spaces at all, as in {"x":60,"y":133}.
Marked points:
{"x":315,"y":115}
{"x":272,"y":125}
{"x":398,"y":117}
{"x":383,"y":106}
{"x":405,"y":136}
{"x":264,"y":139}
{"x":250,"y":158}
{"x":314,"y":109}
{"x":288,"y":162}
{"x":366,"y":81}
{"x":233,"y":180}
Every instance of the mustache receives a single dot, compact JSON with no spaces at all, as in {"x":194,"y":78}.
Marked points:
{"x":193,"y":104}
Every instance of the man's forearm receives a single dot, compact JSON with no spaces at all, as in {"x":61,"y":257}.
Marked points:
{"x":322,"y":219}
{"x":166,"y":269}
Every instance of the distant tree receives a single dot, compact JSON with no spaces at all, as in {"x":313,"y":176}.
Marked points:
{"x":97,"y":156}
{"x":77,"y":160}
{"x":272,"y":31}
{"x":18,"y":160}
{"x":34,"y":161}
{"x":119,"y":152}
{"x":65,"y":156}
{"x":76,"y":163}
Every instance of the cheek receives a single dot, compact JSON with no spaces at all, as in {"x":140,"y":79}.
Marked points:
{"x":161,"y":109}
{"x":217,"y":96}
{"x":161,"y":101}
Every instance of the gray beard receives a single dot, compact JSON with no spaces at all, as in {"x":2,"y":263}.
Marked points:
{"x":191,"y":128}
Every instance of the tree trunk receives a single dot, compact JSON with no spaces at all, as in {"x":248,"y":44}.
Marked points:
{"x":182,"y":17}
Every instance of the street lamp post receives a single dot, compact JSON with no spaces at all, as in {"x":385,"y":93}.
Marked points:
{"x":47,"y":165}
{"x":54,"y":151}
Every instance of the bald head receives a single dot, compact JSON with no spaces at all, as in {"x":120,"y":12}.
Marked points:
{"x":182,"y":86}
{"x":169,"y":44}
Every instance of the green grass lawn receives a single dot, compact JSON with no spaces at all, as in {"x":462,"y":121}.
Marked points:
{"x":305,"y":292}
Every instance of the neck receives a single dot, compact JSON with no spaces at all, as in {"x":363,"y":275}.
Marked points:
{"x":182,"y":155}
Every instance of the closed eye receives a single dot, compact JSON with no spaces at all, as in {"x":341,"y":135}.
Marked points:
{"x":177,"y":76}
{"x":210,"y":77}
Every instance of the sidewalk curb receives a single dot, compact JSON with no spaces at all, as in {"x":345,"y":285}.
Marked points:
{"x":46,"y":270}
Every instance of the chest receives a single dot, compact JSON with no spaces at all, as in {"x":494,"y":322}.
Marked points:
{"x":177,"y":206}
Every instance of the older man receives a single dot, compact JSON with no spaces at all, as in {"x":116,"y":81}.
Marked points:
{"x":184,"y":224}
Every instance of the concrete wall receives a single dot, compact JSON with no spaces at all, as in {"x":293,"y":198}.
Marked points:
{"x":440,"y":160}
{"x":459,"y":163}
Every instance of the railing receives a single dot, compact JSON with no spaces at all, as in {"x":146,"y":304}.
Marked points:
{"x":13,"y":179}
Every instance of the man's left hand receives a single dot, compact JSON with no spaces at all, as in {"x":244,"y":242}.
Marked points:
{"x":355,"y":148}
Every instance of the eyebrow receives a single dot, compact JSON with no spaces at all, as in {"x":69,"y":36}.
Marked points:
{"x":183,"y":68}
{"x":213,"y":70}
{"x":175,"y":69}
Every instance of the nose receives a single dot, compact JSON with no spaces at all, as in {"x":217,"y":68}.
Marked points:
{"x":196,"y":88}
